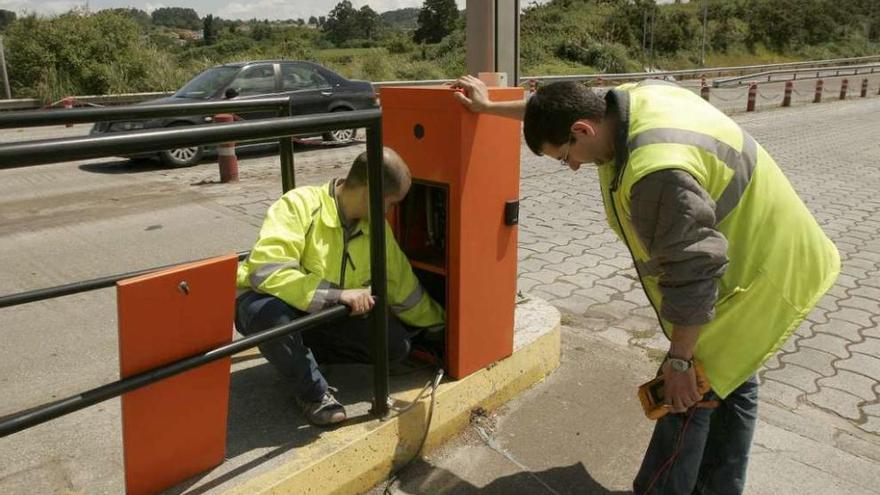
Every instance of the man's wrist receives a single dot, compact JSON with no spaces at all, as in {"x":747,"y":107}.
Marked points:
{"x":687,"y":355}
{"x":489,"y":106}
{"x":678,"y":364}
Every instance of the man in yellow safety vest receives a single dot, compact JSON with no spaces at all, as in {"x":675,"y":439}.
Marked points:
{"x":729,"y":256}
{"x":314,"y":252}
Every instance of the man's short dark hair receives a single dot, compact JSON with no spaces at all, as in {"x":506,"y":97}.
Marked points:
{"x":552,"y":110}
{"x":394,"y":172}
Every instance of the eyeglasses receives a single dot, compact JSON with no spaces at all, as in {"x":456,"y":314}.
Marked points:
{"x":564,"y":160}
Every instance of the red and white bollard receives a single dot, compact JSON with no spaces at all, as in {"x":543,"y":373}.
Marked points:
{"x":703,"y":80}
{"x":817,"y":98}
{"x":786,"y":98}
{"x":68,"y":103}
{"x":844,"y":87}
{"x":599,"y":82}
{"x":704,"y":91}
{"x":864,"y":93}
{"x":753,"y":95}
{"x":533,"y":86}
{"x":226,"y":159}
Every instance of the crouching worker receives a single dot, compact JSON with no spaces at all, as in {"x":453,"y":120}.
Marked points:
{"x":314,"y":252}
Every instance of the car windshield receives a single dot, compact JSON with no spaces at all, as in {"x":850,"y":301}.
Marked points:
{"x":208,"y":83}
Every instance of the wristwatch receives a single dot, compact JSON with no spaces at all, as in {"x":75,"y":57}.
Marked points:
{"x":678,"y":364}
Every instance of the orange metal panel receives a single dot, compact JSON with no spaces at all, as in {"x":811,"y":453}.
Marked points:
{"x":489,"y":177}
{"x":476,"y":158}
{"x":175,"y":428}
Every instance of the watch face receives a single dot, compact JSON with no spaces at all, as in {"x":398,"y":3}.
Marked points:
{"x":679,"y":364}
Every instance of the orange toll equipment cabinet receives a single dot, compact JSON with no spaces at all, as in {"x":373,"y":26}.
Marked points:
{"x":458,"y":224}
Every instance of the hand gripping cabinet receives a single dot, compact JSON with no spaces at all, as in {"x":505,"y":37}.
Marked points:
{"x":458,"y":224}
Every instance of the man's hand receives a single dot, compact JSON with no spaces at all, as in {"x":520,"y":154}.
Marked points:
{"x":359,"y":300}
{"x":475,"y":96}
{"x":679,"y":388}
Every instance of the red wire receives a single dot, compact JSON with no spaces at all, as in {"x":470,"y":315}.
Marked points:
{"x":675,"y":453}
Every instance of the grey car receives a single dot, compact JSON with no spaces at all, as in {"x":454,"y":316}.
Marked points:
{"x":316,"y":90}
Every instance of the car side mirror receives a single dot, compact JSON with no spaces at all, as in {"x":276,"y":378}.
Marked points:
{"x":230,"y":93}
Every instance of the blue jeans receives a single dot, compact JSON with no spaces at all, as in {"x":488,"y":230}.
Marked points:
{"x":702,"y":451}
{"x":296,"y":355}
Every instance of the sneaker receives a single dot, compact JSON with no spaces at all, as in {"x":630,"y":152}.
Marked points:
{"x":325,"y":411}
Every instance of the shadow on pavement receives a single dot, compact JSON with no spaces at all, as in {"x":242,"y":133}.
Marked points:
{"x":263,"y":414}
{"x":564,"y":480}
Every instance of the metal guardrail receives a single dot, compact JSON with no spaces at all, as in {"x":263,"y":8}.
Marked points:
{"x":282,"y":106}
{"x":694,"y":73}
{"x":845,"y":70}
{"x":42,"y":152}
{"x":121,"y":99}
{"x":36,"y":118}
{"x":118,"y":99}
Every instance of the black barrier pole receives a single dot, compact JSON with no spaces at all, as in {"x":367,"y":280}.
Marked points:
{"x":41,"y":414}
{"x":378,"y":278}
{"x":84,"y":286}
{"x":36,"y":118}
{"x":27,"y":153}
{"x":285,"y":149}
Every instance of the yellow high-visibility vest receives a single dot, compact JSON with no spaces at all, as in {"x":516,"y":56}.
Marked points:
{"x":303,"y":254}
{"x":780,"y":260}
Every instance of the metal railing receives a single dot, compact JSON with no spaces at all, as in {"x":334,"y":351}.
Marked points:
{"x":32,"y":153}
{"x":794,"y":74}
{"x":99,"y":100}
{"x":695,"y":73}
{"x":35,"y":118}
{"x":33,"y":103}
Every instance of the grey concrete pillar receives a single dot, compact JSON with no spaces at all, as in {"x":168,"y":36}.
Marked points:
{"x":493,"y":37}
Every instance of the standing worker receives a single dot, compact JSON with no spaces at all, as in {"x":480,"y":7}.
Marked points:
{"x":728,"y":254}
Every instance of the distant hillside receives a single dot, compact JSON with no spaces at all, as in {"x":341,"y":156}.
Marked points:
{"x":406,"y":19}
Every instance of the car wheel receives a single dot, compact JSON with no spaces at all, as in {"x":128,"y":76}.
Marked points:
{"x":340,"y":136}
{"x":181,"y":157}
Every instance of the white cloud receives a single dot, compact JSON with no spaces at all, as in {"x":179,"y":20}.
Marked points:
{"x":284,"y":9}
{"x":40,"y":7}
{"x":150,"y":7}
{"x":236,"y":9}
{"x":262,"y":9}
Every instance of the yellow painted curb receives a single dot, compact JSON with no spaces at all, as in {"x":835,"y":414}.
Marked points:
{"x":354,"y":459}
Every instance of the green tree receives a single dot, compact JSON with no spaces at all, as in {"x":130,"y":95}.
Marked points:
{"x":677,"y":28}
{"x":7,"y":17}
{"x":342,"y":23}
{"x":209,"y":30}
{"x":367,"y":22}
{"x":177,"y":17}
{"x":142,"y":18}
{"x":313,"y":21}
{"x":74,"y":54}
{"x":436,"y":20}
{"x":260,"y":30}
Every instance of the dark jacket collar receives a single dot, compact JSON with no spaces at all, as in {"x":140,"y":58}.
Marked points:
{"x":617,"y":107}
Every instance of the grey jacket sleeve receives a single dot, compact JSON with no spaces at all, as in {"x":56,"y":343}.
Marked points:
{"x":675,"y":220}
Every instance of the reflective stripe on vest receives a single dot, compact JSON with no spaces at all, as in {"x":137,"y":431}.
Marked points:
{"x":320,"y":299}
{"x":410,"y":302}
{"x":742,"y":163}
{"x":262,"y":273}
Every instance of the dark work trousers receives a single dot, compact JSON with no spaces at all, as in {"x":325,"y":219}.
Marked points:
{"x":296,"y":355}
{"x":702,"y":451}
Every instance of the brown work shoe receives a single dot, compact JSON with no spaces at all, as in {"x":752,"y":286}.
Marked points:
{"x":323,"y":412}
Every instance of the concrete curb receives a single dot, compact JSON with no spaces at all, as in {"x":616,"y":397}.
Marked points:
{"x":355,"y":458}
